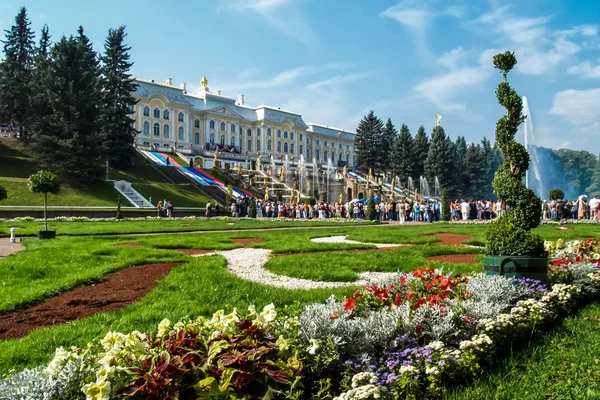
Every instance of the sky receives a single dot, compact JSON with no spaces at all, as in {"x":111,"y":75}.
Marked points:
{"x":334,"y":60}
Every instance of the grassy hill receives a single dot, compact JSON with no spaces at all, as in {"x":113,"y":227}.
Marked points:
{"x":16,"y":166}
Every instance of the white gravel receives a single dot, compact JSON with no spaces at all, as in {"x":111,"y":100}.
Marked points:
{"x":248,"y":264}
{"x":342,"y":239}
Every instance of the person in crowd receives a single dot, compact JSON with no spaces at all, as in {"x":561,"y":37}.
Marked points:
{"x":234,"y":212}
{"x":545,"y":210}
{"x":170,"y":209}
{"x":166,"y":208}
{"x":581,"y":207}
{"x":464,"y":210}
{"x":595,"y":208}
{"x":159,"y":208}
{"x":207,"y":211}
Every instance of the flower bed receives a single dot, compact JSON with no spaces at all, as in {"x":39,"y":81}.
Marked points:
{"x":414,"y":337}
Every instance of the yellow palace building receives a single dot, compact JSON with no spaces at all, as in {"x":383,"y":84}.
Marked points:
{"x":169,"y":118}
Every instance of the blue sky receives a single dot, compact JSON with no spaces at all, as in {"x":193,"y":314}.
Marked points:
{"x":333,"y":60}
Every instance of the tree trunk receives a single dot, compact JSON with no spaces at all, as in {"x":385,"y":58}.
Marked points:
{"x":45,"y":207}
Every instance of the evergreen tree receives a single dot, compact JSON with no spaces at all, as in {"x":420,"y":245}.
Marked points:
{"x":15,"y":73}
{"x":369,"y":143}
{"x":389,"y":134}
{"x":490,"y":168}
{"x":68,"y":140}
{"x":39,"y":99}
{"x":371,"y":213}
{"x":117,"y":100}
{"x":460,"y":151}
{"x":421,"y":152}
{"x":440,"y":159}
{"x":475,"y":173}
{"x":445,"y":206}
{"x":403,"y":155}
{"x":594,"y":188}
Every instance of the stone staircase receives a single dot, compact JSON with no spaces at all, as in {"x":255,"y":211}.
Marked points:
{"x":132,"y":195}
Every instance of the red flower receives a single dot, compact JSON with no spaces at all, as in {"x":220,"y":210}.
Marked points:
{"x":409,"y":295}
{"x":419,"y":328}
{"x":403,"y":280}
{"x":467,"y":319}
{"x":398,"y":299}
{"x":350,"y":303}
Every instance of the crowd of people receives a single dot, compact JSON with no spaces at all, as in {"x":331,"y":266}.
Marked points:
{"x":576,"y":209}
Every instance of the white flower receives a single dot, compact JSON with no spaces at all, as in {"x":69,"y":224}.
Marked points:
{"x":61,"y":356}
{"x":97,"y":391}
{"x":282,"y":343}
{"x":408,"y":370}
{"x":314,"y":346}
{"x":432,"y":371}
{"x":164,"y":327}
{"x":112,"y":340}
{"x":436,"y":345}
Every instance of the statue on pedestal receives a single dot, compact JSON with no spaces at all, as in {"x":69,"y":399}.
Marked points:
{"x":259,"y":162}
{"x":341,"y":199}
{"x":344,"y":171}
{"x":215,"y":158}
{"x":239,"y":169}
{"x":282,"y":173}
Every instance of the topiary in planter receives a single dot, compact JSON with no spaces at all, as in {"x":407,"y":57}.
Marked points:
{"x":371,"y":208}
{"x":510,"y":235}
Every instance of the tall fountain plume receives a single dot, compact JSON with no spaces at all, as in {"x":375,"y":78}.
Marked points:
{"x":436,"y":188}
{"x":530,"y":144}
{"x":315,"y":177}
{"x":410,"y":185}
{"x":424,"y":186}
{"x":301,"y":172}
{"x":286,"y":164}
{"x":329,"y":169}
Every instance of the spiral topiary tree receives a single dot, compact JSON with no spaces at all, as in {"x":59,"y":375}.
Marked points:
{"x":511,"y":234}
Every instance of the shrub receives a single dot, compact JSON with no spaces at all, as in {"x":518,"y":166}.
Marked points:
{"x":556,"y":194}
{"x":252,"y":209}
{"x":445,"y":206}
{"x":119,"y":214}
{"x":2,"y":193}
{"x":510,"y":234}
{"x":44,"y":182}
{"x":371,"y":208}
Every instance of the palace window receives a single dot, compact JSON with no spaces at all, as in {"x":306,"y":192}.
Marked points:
{"x":146,"y":128}
{"x":156,"y":113}
{"x":233,"y":128}
{"x":348,"y":158}
{"x":333,"y":156}
{"x":301,"y":149}
{"x":292,"y":135}
{"x":318,"y":154}
{"x":332,"y":145}
{"x":307,"y":153}
{"x":285,"y":147}
{"x":222,"y":126}
{"x":212,"y":124}
{"x":300,"y":137}
{"x":146,"y":143}
{"x":279,"y":147}
{"x":269,"y":145}
{"x":285,"y":134}
{"x":249,"y":132}
{"x":318,"y":142}
{"x":196,"y":123}
{"x":180,"y":133}
{"x":340,"y":146}
{"x":212,"y":138}
{"x":222,"y":140}
{"x":347,"y":147}
{"x":258,"y":145}
{"x":166,"y":114}
{"x":292,"y":148}
{"x":249,"y":145}
{"x":196,"y":138}
{"x":325,"y":144}
{"x":156,"y":129}
{"x":354,"y":163}
{"x":180,"y":117}
{"x":232,"y":141}
{"x":268,"y":131}
{"x":325,"y":158}
{"x":307,"y":140}
{"x":166,"y":131}
{"x":146,"y":111}
{"x":257,"y":131}
{"x":278,"y":133}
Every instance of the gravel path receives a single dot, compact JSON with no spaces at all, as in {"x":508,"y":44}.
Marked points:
{"x":7,"y":248}
{"x":342,"y":239}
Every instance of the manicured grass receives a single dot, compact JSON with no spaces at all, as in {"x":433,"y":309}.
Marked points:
{"x":564,"y":364}
{"x":184,"y":195}
{"x":14,"y":161}
{"x":345,"y":266}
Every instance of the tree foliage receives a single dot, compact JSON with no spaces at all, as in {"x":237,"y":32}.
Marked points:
{"x":475,"y":172}
{"x":511,"y":234}
{"x":3,"y":194}
{"x":117,"y":100}
{"x":403,"y":155}
{"x":44,"y":182}
{"x":439,"y":160}
{"x":369,"y":143}
{"x":371,"y":208}
{"x":445,"y":206}
{"x":389,"y":135}
{"x":556,"y":194}
{"x":421,"y":152}
{"x":252,"y":209}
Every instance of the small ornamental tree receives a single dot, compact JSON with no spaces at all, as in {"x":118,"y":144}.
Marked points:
{"x":371,"y":208}
{"x":44,"y":182}
{"x":511,"y":234}
{"x":2,"y":193}
{"x":556,"y":194}
{"x":445,"y":206}
{"x":252,"y":209}
{"x":119,"y":214}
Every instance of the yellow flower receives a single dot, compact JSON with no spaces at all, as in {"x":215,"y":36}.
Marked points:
{"x":282,"y":343}
{"x":164,"y":327}
{"x":97,"y":391}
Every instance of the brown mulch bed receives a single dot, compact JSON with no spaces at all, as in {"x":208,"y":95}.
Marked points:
{"x":117,"y":291}
{"x":456,"y":258}
{"x":193,"y":252}
{"x":130,"y":244}
{"x":246,"y":241}
{"x":451,"y":239}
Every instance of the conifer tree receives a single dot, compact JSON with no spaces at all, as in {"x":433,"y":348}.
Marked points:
{"x":117,"y":100}
{"x":475,"y":172}
{"x":594,"y":188}
{"x":388,"y":135}
{"x":39,"y":99}
{"x":421,"y":151}
{"x":369,"y":143}
{"x":460,"y":151}
{"x":15,"y":73}
{"x":440,"y":160}
{"x":68,"y":140}
{"x":403,"y":155}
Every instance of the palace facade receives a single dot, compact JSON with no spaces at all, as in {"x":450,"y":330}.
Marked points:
{"x":169,"y":118}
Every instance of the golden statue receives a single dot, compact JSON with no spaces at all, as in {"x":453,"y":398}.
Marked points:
{"x":370,"y":172}
{"x":259,"y":162}
{"x":298,"y":196}
{"x":267,"y":194}
{"x":215,"y":158}
{"x":282,"y":173}
{"x":292,"y":159}
{"x":229,"y":194}
{"x":293,"y":197}
{"x":341,"y":198}
{"x":251,"y":182}
{"x":239,"y":169}
{"x":265,"y":184}
{"x":204,"y":84}
{"x":344,"y":171}
{"x":438,"y":120}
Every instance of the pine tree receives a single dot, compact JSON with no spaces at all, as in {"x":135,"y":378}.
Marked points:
{"x":15,"y":73}
{"x":403,"y":155}
{"x":421,"y":151}
{"x":445,"y":206}
{"x":594,"y":188}
{"x":475,"y":173}
{"x":68,"y":141}
{"x":39,"y":99}
{"x":389,"y":134}
{"x":117,"y":100}
{"x":460,"y":151}
{"x":369,"y":143}
{"x":490,"y":167}
{"x":440,"y":159}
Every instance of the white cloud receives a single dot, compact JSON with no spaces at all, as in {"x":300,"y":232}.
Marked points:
{"x":338,"y":79}
{"x":415,"y":16}
{"x":580,"y":108}
{"x":278,"y":14}
{"x":453,"y":59}
{"x":585,"y":69}
{"x":457,"y":11}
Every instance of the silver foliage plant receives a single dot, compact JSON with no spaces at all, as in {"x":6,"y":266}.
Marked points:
{"x":34,"y":384}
